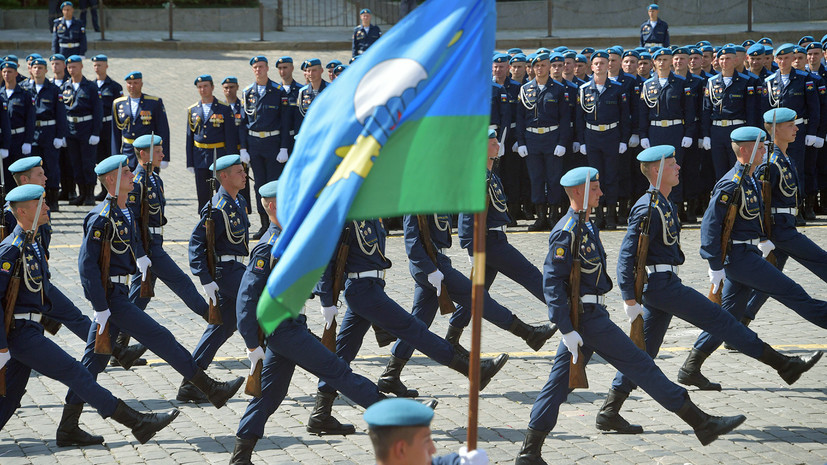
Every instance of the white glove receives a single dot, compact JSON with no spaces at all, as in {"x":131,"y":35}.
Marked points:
{"x":707,"y":143}
{"x":716,"y":277}
{"x":435,"y":279}
{"x":26,"y":148}
{"x":522,"y":151}
{"x":164,"y":165}
{"x":514,"y":147}
{"x":245,"y":155}
{"x":63,"y":142}
{"x":282,"y":158}
{"x":329,"y":313}
{"x":211,"y":291}
{"x":634,"y":141}
{"x":819,"y":142}
{"x":58,"y":143}
{"x":6,"y":356}
{"x":633,"y":311}
{"x":766,"y":247}
{"x":686,"y":142}
{"x":645,"y":143}
{"x":143,"y":264}
{"x":475,"y":457}
{"x":191,"y":170}
{"x":254,"y":356}
{"x":559,"y":151}
{"x":809,"y":141}
{"x":583,"y":149}
{"x":93,"y":140}
{"x":4,"y":153}
{"x":101,"y":318}
{"x":572,"y":341}
{"x":622,"y":148}
{"x":575,"y":147}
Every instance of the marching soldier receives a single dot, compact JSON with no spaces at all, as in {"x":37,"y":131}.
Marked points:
{"x":230,"y":88}
{"x":69,"y":36}
{"x":136,"y":114}
{"x":17,"y":102}
{"x":596,"y":332}
{"x":108,"y":90}
{"x":85,"y":114}
{"x":655,"y":32}
{"x":365,"y":34}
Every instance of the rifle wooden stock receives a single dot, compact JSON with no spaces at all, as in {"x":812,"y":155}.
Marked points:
{"x":446,"y":305}
{"x":8,"y":318}
{"x":766,"y":196}
{"x":329,"y":334}
{"x":147,"y":289}
{"x":103,"y":343}
{"x":636,"y":331}
{"x":214,"y":315}
{"x":253,"y":386}
{"x":726,"y":232}
{"x":577,"y":371}
{"x":3,"y":231}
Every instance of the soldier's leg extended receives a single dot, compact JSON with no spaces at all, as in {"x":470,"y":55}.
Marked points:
{"x":17,"y":377}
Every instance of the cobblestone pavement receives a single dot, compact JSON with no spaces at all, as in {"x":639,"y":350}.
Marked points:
{"x":785,"y":424}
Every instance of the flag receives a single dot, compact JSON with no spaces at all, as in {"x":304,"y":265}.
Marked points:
{"x":402,"y":130}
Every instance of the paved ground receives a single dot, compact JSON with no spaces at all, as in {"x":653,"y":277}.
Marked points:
{"x":785,"y":424}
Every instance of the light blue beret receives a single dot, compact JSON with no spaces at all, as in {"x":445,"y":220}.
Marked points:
{"x":38,"y":61}
{"x":747,"y":134}
{"x":501,"y":58}
{"x":284,"y":59}
{"x":230,"y":80}
{"x":133,"y":75}
{"x":540,"y":57}
{"x":765,"y":41}
{"x":311,"y":62}
{"x":781,"y":115}
{"x":32,"y":56}
{"x":755,"y":50}
{"x":662,"y":52}
{"x":681,"y":51}
{"x":258,"y":58}
{"x":398,"y":412}
{"x":492,"y":134}
{"x":703,"y":42}
{"x":581,"y":58}
{"x":333,"y":64}
{"x":543,"y":50}
{"x":556,"y":57}
{"x":514,"y":51}
{"x":58,"y":57}
{"x":364,"y":10}
{"x":143,"y":142}
{"x":814,"y":45}
{"x":203,"y":78}
{"x":599,"y":54}
{"x":74,"y":59}
{"x":806,"y":39}
{"x":25,"y":164}
{"x":100,"y":57}
{"x":748,"y":43}
{"x":656,"y":153}
{"x":269,"y":190}
{"x":65,"y":4}
{"x":784,"y":49}
{"x":8,"y":64}
{"x":27,"y":192}
{"x":226,"y":161}
{"x":577,"y":176}
{"x":654,"y":6}
{"x":110,"y":164}
{"x":587,"y":51}
{"x":518,"y":58}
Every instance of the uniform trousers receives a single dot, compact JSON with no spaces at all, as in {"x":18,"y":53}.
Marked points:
{"x":228,"y":280}
{"x":723,"y":157}
{"x":263,"y":154}
{"x":544,"y":168}
{"x":602,"y":152}
{"x":82,"y":157}
{"x":44,"y":148}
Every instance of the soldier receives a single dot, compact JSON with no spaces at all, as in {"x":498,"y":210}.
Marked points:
{"x":644,"y":65}
{"x":136,"y":114}
{"x":511,"y":164}
{"x":13,"y":58}
{"x":755,"y":59}
{"x":543,"y":133}
{"x":665,"y":295}
{"x":338,"y":70}
{"x":365,"y":34}
{"x":229,"y":86}
{"x":315,"y":84}
{"x":603,"y":126}
{"x":810,"y":195}
{"x":85,"y":114}
{"x":331,"y":67}
{"x":57,"y":62}
{"x":695,"y":157}
{"x":741,"y":268}
{"x":108,"y":90}
{"x":632,"y":90}
{"x":581,"y":68}
{"x":291,"y":89}
{"x":211,"y":133}
{"x":815,"y":64}
{"x":596,"y":333}
{"x":655,"y":32}
{"x":69,"y":37}
{"x":5,"y":133}
{"x":25,"y":347}
{"x":267,"y":126}
{"x":113,"y":303}
{"x":228,"y":211}
{"x":17,"y":102}
{"x":517,"y":68}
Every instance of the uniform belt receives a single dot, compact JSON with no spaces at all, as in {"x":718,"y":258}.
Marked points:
{"x":232,"y":258}
{"x":665,"y":123}
{"x":263,"y":134}
{"x":790,"y":211}
{"x":801,"y":121}
{"x":18,"y":131}
{"x":79,"y":119}
{"x":601,"y":127}
{"x":107,"y":119}
{"x":29,"y":316}
{"x":593,"y":299}
{"x":120,"y":279}
{"x":662,"y":269}
{"x":48,"y":122}
{"x":70,"y":45}
{"x":727,"y":122}
{"x":158,"y":230}
{"x":653,"y":44}
{"x":542,"y":130}
{"x":128,"y":140}
{"x":748,"y":242}
{"x":498,"y":228}
{"x":367,"y":274}
{"x":215,"y":145}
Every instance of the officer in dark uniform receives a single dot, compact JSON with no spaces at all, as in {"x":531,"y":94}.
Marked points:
{"x":25,"y":347}
{"x":365,"y":34}
{"x":108,"y":90}
{"x":631,"y":88}
{"x":291,"y":90}
{"x":229,"y":214}
{"x":604,"y":125}
{"x":230,"y":88}
{"x":597,"y":332}
{"x":85,"y":114}
{"x":811,"y":152}
{"x":511,"y":166}
{"x":15,"y":60}
{"x":682,"y":57}
{"x":331,"y":67}
{"x":815,"y":64}
{"x":69,"y":36}
{"x":315,"y":84}
{"x":112,"y":305}
{"x":742,"y":268}
{"x":572,"y":158}
{"x":654,"y":32}
{"x":665,"y":295}
{"x":136,"y":114}
{"x":57,"y":62}
{"x":17,"y":102}
{"x":211,"y":133}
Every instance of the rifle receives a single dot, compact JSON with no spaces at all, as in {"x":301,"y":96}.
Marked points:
{"x":214,"y":316}
{"x":446,"y":305}
{"x":729,"y":220}
{"x":329,"y":335}
{"x":103,"y":344}
{"x":147,"y":290}
{"x":641,"y":277}
{"x":12,"y":291}
{"x":253,"y":386}
{"x":577,"y":371}
{"x":3,"y":231}
{"x":766,"y":194}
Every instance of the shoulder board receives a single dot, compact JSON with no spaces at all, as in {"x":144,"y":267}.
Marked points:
{"x":585,"y":84}
{"x":570,"y":224}
{"x":737,"y":177}
{"x":773,"y":157}
{"x":105,"y":210}
{"x":221,"y":203}
{"x":771,"y":76}
{"x":18,"y":240}
{"x":192,"y":106}
{"x":801,"y":73}
{"x":272,"y":240}
{"x":139,"y":177}
{"x":497,"y":85}
{"x":120,"y":99}
{"x":248,"y":87}
{"x":150,"y":97}
{"x":304,"y":87}
{"x":679,"y":77}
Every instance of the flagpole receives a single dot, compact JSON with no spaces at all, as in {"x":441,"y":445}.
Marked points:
{"x":477,"y":298}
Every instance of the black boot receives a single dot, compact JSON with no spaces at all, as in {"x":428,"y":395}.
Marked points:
{"x":821,"y":209}
{"x":534,"y":336}
{"x":68,"y":431}
{"x":611,"y":217}
{"x":389,"y":381}
{"x":218,"y":392}
{"x":599,"y":218}
{"x":799,"y":219}
{"x":789,"y":368}
{"x":809,"y":211}
{"x":622,"y":211}
{"x":707,"y":427}
{"x":89,"y":198}
{"x":322,"y":422}
{"x":609,"y":419}
{"x":127,"y":356}
{"x":51,"y":199}
{"x":542,"y":220}
{"x":143,"y":425}
{"x":527,"y":214}
{"x":187,"y":392}
{"x":530,"y":453}
{"x":453,"y":336}
{"x":690,"y":372}
{"x":488,"y":367}
{"x":79,"y":199}
{"x":692,"y":206}
{"x":383,"y":337}
{"x":243,"y":451}
{"x":67,"y":189}
{"x":265,"y":223}
{"x":513,"y":212}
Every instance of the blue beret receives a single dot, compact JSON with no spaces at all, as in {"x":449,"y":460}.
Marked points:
{"x":311,"y":62}
{"x":351,"y":60}
{"x":284,"y":59}
{"x":133,"y":75}
{"x":569,"y":54}
{"x":747,"y":134}
{"x":364,"y":10}
{"x":492,"y":134}
{"x":703,"y":42}
{"x":74,"y":59}
{"x":230,"y":80}
{"x":338,"y":70}
{"x":798,"y":49}
{"x":781,"y":115}
{"x":662,"y":52}
{"x":615,"y":50}
{"x":784,"y":49}
{"x":631,"y":53}
{"x":530,"y":57}
{"x":823,"y":39}
{"x":726,"y":51}
{"x":332,"y":64}
{"x":577,"y":176}
{"x":645,"y":56}
{"x":398,"y":412}
{"x":501,"y":58}
{"x":143,"y":142}
{"x":58,"y":57}
{"x":67,"y":3}
{"x":560,"y":49}
{"x":581,"y":58}
{"x":655,"y":153}
{"x":514,"y":51}
{"x":694,"y":51}
{"x":110,"y":164}
{"x":543,"y":50}
{"x":11,"y":58}
{"x":26,"y":192}
{"x":707,"y":48}
{"x":258,"y":58}
{"x":518,"y":58}
{"x":599,"y":54}
{"x":556,"y":58}
{"x":38,"y":61}
{"x":755,"y":50}
{"x":269,"y":189}
{"x":739,"y":48}
{"x":25,"y":164}
{"x":101,"y":57}
{"x":814,"y":45}
{"x":680,"y":51}
{"x":765,"y":41}
{"x":540,"y":57}
{"x":587,"y":51}
{"x":8,"y":64}
{"x":203,"y":78}
{"x":748,"y":43}
{"x":806,"y":39}
{"x":768,"y":50}
{"x":32,"y":56}
{"x":653,"y":6}
{"x":226,"y":161}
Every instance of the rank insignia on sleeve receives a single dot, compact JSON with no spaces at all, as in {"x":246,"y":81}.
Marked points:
{"x":259,"y":265}
{"x":96,"y":234}
{"x":724,"y":198}
{"x":6,"y":267}
{"x":559,"y":253}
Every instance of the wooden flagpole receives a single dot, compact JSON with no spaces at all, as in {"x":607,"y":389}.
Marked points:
{"x":477,"y":297}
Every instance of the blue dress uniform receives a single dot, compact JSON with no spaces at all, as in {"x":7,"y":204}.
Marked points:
{"x":108,"y":90}
{"x":654,"y":36}
{"x":85,"y":114}
{"x":69,"y":38}
{"x":364,"y":38}
{"x":22,"y":116}
{"x":812,"y":153}
{"x":624,"y":172}
{"x":512,"y":167}
{"x":150,"y":117}
{"x":306,"y":96}
{"x":291,"y":101}
{"x":50,"y":124}
{"x":5,"y":128}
